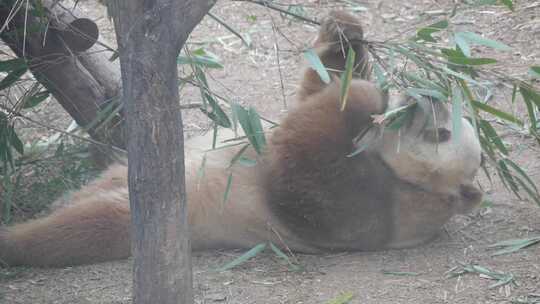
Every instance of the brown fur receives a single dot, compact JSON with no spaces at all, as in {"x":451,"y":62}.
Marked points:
{"x":305,"y":192}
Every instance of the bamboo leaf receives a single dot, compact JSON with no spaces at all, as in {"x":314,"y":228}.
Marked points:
{"x":12,"y":64}
{"x":316,"y":63}
{"x":531,"y":192}
{"x":15,"y":141}
{"x":227,"y":189}
{"x":401,"y":273}
{"x":35,"y":99}
{"x":520,"y":171}
{"x":237,"y":155}
{"x":246,"y":162}
{"x":416,"y":92}
{"x":492,"y":136}
{"x":534,"y":71}
{"x":496,"y":112}
{"x":461,"y":76}
{"x":217,"y":115}
{"x":504,"y":172}
{"x":12,"y":77}
{"x":529,"y":102}
{"x":401,"y":119}
{"x":285,"y":257}
{"x":471,"y":61}
{"x":342,"y":299}
{"x":477,"y":39}
{"x":256,"y":126}
{"x":201,"y":170}
{"x":425,"y":83}
{"x":509,"y":4}
{"x":457,"y":104}
{"x":251,"y":124}
{"x":346,"y":78}
{"x":426,"y":32}
{"x":531,"y":94}
{"x":201,"y":58}
{"x":463,"y":45}
{"x":511,"y":246}
{"x":244,"y":257}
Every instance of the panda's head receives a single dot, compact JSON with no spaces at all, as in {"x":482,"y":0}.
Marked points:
{"x":430,"y":152}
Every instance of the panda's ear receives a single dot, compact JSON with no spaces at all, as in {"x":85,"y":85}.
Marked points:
{"x":80,"y":35}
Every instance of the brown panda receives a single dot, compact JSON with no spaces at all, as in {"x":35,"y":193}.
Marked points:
{"x":306,"y":191}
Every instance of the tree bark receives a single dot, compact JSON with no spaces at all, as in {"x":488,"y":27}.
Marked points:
{"x":150,"y":34}
{"x":82,"y":79}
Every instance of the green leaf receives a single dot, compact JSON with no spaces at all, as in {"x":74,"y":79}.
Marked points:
{"x":530,"y":184}
{"x":511,"y":246}
{"x":424,"y":82}
{"x":401,"y":118}
{"x":12,"y":77}
{"x":534,"y":71}
{"x":12,"y":64}
{"x":201,"y":170}
{"x":416,"y":92}
{"x":531,"y":100}
{"x":217,"y":115}
{"x":401,"y":273}
{"x":457,"y":113}
{"x":35,"y":99}
{"x":246,"y":162}
{"x":504,"y":172}
{"x":492,"y":136}
{"x":463,"y":45}
{"x":509,"y":4}
{"x":251,"y":124}
{"x":201,"y":58}
{"x":15,"y":141}
{"x":426,"y":32}
{"x":346,"y":77}
{"x":342,"y":299}
{"x":316,"y":63}
{"x":244,"y":257}
{"x":214,"y":136}
{"x":477,"y":39}
{"x":285,"y":257}
{"x":237,"y":155}
{"x":500,"y":277}
{"x":203,"y":84}
{"x":531,"y":94}
{"x":227,"y":189}
{"x":461,"y":76}
{"x":256,"y":126}
{"x":471,"y":61}
{"x":496,"y":112}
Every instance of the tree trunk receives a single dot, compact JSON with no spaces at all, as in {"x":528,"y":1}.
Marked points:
{"x":77,"y":72}
{"x":150,"y":34}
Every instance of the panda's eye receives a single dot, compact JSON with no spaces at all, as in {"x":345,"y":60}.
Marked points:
{"x":438,"y":135}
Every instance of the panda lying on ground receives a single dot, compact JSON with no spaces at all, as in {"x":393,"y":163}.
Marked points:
{"x":306,"y":191}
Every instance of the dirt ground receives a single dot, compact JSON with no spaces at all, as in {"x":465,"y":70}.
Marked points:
{"x":420,"y":275}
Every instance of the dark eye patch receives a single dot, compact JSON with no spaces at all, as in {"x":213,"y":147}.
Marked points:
{"x":438,"y":135}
